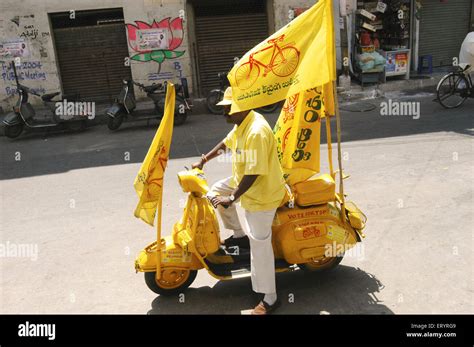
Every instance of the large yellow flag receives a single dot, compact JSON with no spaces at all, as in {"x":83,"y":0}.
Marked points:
{"x":299,"y":56}
{"x":149,"y":181}
{"x":298,"y":132}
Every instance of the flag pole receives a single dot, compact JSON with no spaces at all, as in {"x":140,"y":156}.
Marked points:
{"x":329,"y":143}
{"x":339,"y":155}
{"x":158,"y":241}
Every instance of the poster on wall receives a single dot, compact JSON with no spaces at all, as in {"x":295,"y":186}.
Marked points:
{"x":396,"y":63}
{"x":13,"y":49}
{"x":150,"y":39}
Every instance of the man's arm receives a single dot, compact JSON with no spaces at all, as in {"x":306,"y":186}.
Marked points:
{"x":243,"y":186}
{"x":215,"y":152}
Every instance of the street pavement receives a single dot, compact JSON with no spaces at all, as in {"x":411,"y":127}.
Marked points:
{"x":71,"y":198}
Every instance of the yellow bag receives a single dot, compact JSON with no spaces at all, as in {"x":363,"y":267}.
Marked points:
{"x":315,"y":190}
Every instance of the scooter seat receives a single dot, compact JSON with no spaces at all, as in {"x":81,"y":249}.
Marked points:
{"x":49,"y":96}
{"x":316,"y":190}
{"x":152,"y":88}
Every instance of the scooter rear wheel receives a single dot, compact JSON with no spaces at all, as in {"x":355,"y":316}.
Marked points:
{"x":172,"y":281}
{"x":12,"y":131}
{"x":324,"y":264}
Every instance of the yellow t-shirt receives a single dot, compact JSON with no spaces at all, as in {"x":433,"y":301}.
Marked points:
{"x":254,"y":152}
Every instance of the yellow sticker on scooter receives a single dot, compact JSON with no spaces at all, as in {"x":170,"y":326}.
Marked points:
{"x":309,"y":230}
{"x":176,"y":256}
{"x":336,"y":233}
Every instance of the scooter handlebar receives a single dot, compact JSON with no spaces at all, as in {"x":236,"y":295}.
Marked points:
{"x":28,"y":90}
{"x":209,"y":198}
{"x":138,"y":84}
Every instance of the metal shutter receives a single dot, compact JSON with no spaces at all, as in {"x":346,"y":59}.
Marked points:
{"x":91,"y":60}
{"x":443,"y":27}
{"x":222,"y":38}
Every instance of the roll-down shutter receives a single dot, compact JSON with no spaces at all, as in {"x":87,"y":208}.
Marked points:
{"x":222,"y":38}
{"x":443,"y":27}
{"x":92,"y":60}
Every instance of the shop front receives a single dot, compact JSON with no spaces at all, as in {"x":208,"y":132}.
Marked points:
{"x":381,"y":45}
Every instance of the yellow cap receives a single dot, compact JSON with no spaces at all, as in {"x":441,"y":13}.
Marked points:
{"x":227,"y":100}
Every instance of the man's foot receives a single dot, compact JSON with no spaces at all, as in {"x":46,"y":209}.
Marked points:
{"x":263,"y":308}
{"x":241,"y":242}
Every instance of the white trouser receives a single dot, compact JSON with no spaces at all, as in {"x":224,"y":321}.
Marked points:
{"x":259,"y":230}
{"x":229,"y":216}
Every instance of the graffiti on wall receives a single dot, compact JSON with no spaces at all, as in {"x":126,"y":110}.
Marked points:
{"x":26,"y":71}
{"x":157,"y":41}
{"x":168,"y":75}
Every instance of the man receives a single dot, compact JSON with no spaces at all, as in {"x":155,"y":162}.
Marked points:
{"x":257,"y":180}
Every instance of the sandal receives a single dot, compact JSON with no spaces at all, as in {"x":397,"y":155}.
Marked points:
{"x":263,"y":308}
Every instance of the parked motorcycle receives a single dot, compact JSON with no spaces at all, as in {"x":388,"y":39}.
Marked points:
{"x":24,"y":114}
{"x":125,"y":104}
{"x":216,"y":95}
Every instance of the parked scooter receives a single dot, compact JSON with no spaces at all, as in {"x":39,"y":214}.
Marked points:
{"x":24,"y":113}
{"x":216,"y":95}
{"x":125,"y":104}
{"x":312,"y":237}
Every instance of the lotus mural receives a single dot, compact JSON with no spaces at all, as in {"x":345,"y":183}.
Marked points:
{"x":157,"y":41}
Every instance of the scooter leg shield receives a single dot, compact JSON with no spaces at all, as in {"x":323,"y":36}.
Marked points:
{"x":12,"y":119}
{"x":113,"y":110}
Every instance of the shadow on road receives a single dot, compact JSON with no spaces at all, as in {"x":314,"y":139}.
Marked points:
{"x":60,"y":152}
{"x":345,"y":290}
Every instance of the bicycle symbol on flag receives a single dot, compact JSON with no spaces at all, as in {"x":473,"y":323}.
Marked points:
{"x":283,"y":62}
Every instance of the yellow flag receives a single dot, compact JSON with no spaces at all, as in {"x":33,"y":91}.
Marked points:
{"x":149,"y":181}
{"x":299,"y":56}
{"x":298,"y":131}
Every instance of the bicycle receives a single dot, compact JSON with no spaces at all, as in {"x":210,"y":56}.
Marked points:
{"x":283,"y":63}
{"x":455,"y":87}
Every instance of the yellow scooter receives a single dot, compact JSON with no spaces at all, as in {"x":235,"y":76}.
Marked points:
{"x":311,"y":230}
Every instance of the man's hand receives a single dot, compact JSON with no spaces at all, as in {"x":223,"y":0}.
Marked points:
{"x":221,"y":200}
{"x":199,"y":164}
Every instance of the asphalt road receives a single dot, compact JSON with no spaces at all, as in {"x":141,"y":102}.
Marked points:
{"x":70,"y":198}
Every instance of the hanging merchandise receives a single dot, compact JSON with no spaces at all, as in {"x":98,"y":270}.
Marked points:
{"x":382,"y":45}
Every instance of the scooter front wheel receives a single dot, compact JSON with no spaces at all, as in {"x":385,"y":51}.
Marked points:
{"x":324,"y":264}
{"x":212,"y":99}
{"x":172,"y":281}
{"x":12,"y":131}
{"x":114,"y":123}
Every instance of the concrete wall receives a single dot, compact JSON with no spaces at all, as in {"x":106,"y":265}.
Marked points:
{"x":29,"y":20}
